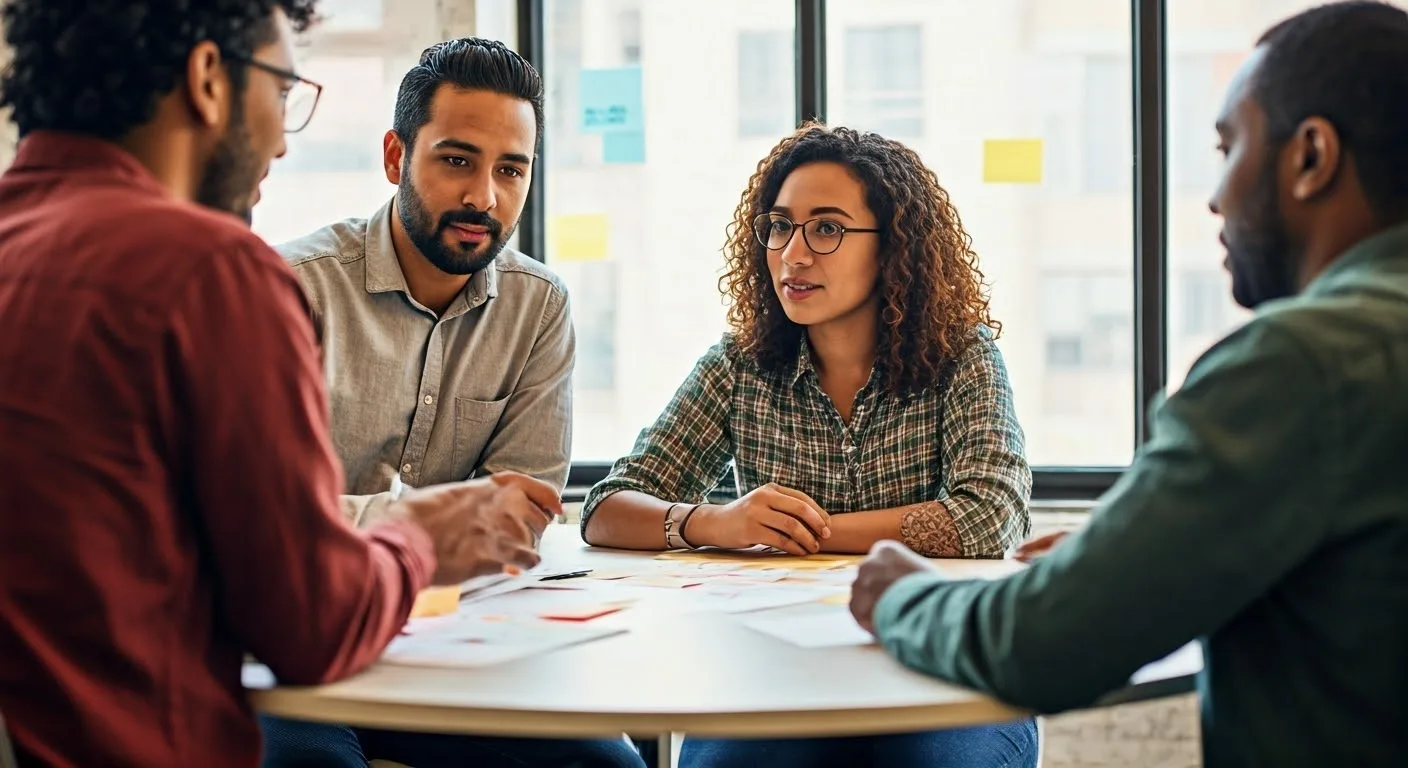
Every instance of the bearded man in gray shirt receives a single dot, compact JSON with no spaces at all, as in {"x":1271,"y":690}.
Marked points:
{"x":447,"y":354}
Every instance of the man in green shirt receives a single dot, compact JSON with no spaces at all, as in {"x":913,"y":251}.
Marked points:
{"x":1268,"y":515}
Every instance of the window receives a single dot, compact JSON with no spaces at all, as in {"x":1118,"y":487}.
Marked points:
{"x":1107,"y":161}
{"x":636,"y":216}
{"x":883,"y":76}
{"x":333,"y":168}
{"x":1058,"y":252}
{"x":766,"y":88}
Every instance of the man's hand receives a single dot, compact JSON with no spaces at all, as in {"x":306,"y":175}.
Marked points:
{"x":771,"y":515}
{"x":1031,"y":549}
{"x":888,"y":562}
{"x":482,"y":526}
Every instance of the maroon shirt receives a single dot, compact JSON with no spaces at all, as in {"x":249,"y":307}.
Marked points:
{"x":168,"y":493}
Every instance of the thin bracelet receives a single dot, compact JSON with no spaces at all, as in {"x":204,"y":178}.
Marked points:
{"x":684,"y":521}
{"x":668,"y":525}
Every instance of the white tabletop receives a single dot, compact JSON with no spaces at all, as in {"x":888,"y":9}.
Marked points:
{"x":704,"y":673}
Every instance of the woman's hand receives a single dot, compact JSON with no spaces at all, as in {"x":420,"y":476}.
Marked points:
{"x":771,"y":515}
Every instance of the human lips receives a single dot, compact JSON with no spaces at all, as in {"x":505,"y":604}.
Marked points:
{"x":470,"y":233}
{"x":797,"y":290}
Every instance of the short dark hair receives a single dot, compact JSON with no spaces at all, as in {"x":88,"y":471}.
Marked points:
{"x":1346,"y":62}
{"x":99,"y":67}
{"x":470,"y":63}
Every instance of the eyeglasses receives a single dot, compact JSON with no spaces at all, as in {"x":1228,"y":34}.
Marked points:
{"x":300,"y":98}
{"x":774,"y":231}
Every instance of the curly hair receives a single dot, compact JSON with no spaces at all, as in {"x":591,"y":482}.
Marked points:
{"x":933,"y":297}
{"x":100,"y":67}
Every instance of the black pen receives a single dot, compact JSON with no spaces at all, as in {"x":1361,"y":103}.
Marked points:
{"x":572,"y":575}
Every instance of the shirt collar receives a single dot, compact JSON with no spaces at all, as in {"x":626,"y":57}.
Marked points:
{"x":1360,"y":259}
{"x":384,"y":270}
{"x":804,"y":361}
{"x":61,"y":151}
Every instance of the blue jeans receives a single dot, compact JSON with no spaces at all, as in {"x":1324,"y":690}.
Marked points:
{"x":296,"y":744}
{"x":1008,"y":745}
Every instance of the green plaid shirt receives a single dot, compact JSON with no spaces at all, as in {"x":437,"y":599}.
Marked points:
{"x":958,"y":444}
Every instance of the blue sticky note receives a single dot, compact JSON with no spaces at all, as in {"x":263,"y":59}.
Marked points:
{"x":623,"y":147}
{"x":610,"y":100}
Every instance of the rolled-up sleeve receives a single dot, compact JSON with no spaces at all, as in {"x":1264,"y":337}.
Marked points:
{"x":987,"y":482}
{"x":681,"y":456}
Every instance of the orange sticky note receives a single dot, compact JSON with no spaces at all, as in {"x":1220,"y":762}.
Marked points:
{"x":584,"y":613}
{"x":436,"y":601}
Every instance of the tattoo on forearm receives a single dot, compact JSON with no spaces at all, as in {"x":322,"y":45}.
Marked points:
{"x":928,"y":529}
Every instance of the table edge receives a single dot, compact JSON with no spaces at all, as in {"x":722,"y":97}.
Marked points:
{"x":439,"y":718}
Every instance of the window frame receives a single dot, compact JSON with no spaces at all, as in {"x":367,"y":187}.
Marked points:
{"x":1149,"y":104}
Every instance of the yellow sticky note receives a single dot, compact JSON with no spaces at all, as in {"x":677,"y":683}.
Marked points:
{"x":580,"y":237}
{"x":436,"y":601}
{"x":1012,"y":161}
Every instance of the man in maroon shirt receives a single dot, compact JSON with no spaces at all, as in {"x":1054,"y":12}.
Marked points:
{"x":168,"y":493}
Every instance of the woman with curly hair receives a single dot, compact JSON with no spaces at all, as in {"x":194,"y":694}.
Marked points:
{"x":859,"y":396}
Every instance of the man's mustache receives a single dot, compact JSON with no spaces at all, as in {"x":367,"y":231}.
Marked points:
{"x":473,"y":218}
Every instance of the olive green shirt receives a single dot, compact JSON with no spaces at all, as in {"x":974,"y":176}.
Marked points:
{"x":1267,"y":517}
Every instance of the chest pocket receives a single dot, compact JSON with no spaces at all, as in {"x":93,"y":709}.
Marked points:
{"x":475,"y":422}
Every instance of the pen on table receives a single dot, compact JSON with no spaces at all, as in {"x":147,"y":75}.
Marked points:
{"x":572,"y":575}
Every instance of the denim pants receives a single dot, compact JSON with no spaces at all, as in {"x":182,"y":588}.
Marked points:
{"x":296,"y":744}
{"x":1008,"y":745}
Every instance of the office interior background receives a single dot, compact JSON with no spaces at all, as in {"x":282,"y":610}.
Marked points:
{"x":1103,"y":261}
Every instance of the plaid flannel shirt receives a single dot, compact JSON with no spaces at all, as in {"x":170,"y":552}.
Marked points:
{"x":958,"y":444}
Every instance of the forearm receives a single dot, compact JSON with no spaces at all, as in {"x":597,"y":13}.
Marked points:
{"x":927,"y":528}
{"x":628,"y":520}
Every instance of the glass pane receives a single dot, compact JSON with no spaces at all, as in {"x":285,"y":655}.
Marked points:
{"x":333,"y":168}
{"x":949,"y":76}
{"x":1207,"y":39}
{"x":636,"y":215}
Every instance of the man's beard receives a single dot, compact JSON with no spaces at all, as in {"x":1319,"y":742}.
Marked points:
{"x":232,"y":173}
{"x":428,"y":235}
{"x":1259,"y":253}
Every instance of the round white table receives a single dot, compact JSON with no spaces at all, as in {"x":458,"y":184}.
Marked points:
{"x":703,"y":673}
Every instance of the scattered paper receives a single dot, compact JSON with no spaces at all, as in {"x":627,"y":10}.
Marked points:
{"x":475,"y":642}
{"x":820,"y":630}
{"x":726,"y":599}
{"x":669,"y":582}
{"x":762,"y":558}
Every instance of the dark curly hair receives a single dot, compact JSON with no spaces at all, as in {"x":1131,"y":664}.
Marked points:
{"x":933,"y":298}
{"x":99,"y":67}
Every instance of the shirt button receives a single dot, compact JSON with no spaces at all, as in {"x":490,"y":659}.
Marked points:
{"x":405,"y":467}
{"x":429,"y":399}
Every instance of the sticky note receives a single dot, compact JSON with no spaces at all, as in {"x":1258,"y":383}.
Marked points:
{"x":436,"y":601}
{"x":580,"y":613}
{"x":1012,"y":161}
{"x":840,"y":598}
{"x":610,"y":100}
{"x":623,"y":147}
{"x":580,"y":237}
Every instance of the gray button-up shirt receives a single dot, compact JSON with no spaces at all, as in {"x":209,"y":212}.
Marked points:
{"x":483,"y":388}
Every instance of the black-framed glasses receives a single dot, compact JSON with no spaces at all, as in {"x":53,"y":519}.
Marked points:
{"x":300,"y":98}
{"x":774,"y":231}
